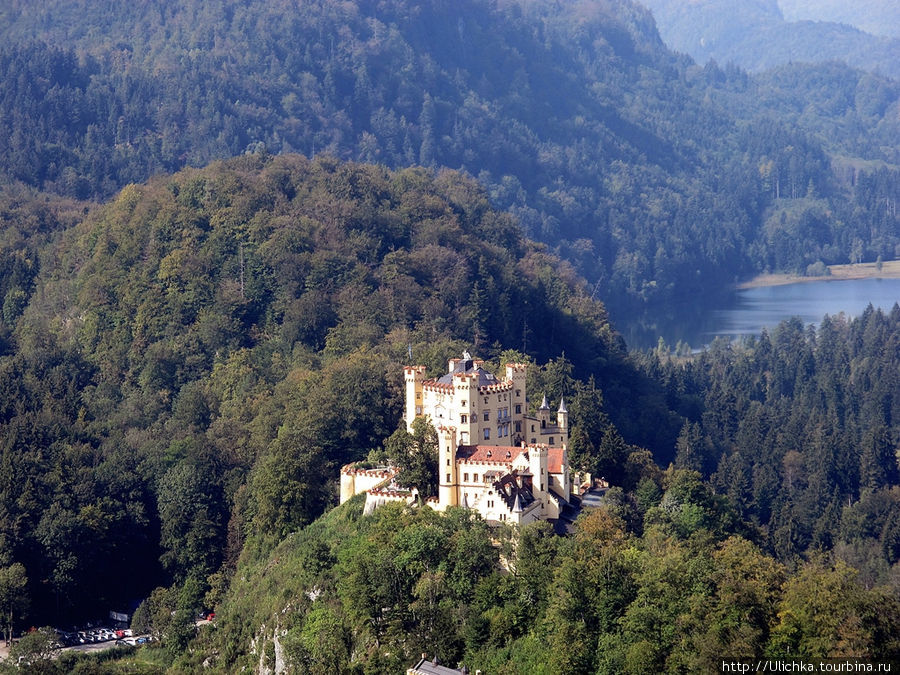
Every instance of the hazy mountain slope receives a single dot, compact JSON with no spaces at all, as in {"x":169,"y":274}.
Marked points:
{"x":654,"y":176}
{"x":879,"y":17}
{"x":754,"y":35}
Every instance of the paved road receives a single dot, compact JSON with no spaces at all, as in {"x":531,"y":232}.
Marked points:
{"x":593,"y":497}
{"x":90,"y":647}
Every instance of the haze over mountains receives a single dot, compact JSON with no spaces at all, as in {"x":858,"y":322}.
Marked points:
{"x":761,"y":34}
{"x":878,"y":17}
{"x":654,"y":175}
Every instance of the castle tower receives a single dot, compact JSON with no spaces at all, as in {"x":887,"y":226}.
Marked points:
{"x":348,"y":487}
{"x":562,"y":417}
{"x":413,"y":377}
{"x":544,"y":413}
{"x":465,"y":388}
{"x":537,"y":464}
{"x":516,"y":374}
{"x":448,"y":479}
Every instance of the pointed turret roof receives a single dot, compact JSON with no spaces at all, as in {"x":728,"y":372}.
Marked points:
{"x":544,"y":404}
{"x":517,"y":504}
{"x":562,"y":405}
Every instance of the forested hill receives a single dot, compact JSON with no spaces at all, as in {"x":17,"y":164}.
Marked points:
{"x":195,"y":360}
{"x":654,"y":176}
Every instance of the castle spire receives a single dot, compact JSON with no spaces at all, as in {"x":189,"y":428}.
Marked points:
{"x":562,"y":416}
{"x":544,"y":413}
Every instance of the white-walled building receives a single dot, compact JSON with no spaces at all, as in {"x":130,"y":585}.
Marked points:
{"x":493,"y":457}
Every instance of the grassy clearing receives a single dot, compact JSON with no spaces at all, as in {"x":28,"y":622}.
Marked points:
{"x":888,"y":270}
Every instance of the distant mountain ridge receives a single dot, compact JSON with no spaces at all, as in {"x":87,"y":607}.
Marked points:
{"x":755,"y":35}
{"x":653,"y":175}
{"x":878,"y":17}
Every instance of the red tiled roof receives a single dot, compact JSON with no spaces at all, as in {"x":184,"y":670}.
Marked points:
{"x":479,"y":453}
{"x":555,"y":460}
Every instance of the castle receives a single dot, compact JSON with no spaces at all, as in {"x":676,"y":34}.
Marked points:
{"x":492,"y":456}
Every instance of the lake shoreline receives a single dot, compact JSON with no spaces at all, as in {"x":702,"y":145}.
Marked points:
{"x":889,"y":270}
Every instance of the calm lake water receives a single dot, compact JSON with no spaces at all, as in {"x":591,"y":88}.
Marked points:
{"x":747,"y":312}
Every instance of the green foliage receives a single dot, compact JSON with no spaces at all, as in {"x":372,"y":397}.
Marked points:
{"x":184,"y":370}
{"x":822,"y":613}
{"x":35,"y":648}
{"x":416,"y":454}
{"x":208,"y":350}
{"x":13,"y":596}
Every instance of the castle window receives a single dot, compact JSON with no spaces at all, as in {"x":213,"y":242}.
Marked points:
{"x":448,"y":477}
{"x":551,"y":440}
{"x":485,"y":399}
{"x":518,"y":408}
{"x":464,"y":419}
{"x":418,"y":410}
{"x":474,"y":477}
{"x":487,"y":434}
{"x":518,"y":393}
{"x":532,"y":430}
{"x":463,"y":403}
{"x":465,"y":478}
{"x":448,"y":461}
{"x":487,"y":415}
{"x":518,"y":427}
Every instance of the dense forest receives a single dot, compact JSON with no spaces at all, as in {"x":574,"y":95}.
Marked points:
{"x":226,"y":226}
{"x":190,"y":364}
{"x":653,"y":175}
{"x":180,"y":357}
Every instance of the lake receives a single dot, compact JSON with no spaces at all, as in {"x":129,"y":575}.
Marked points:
{"x":748,"y":311}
